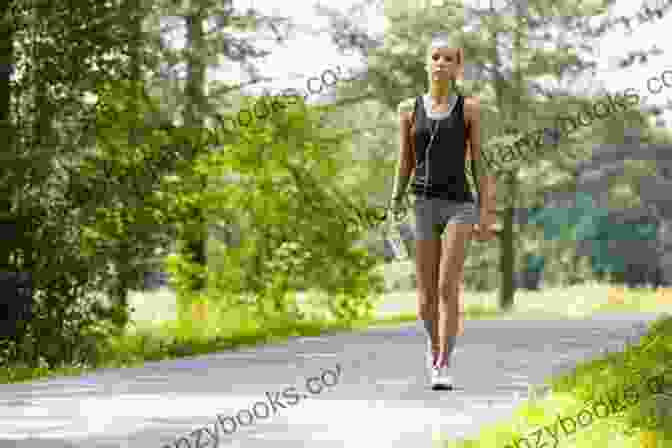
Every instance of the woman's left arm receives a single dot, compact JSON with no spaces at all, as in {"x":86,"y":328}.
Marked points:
{"x":487,"y":182}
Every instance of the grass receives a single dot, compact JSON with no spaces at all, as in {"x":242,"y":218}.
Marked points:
{"x":641,"y":425}
{"x":624,"y":299}
{"x":157,"y":334}
{"x":577,"y":301}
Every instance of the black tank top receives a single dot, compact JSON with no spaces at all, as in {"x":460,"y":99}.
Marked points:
{"x":442,"y":168}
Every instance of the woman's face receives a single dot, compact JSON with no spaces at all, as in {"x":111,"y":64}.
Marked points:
{"x":444,"y":63}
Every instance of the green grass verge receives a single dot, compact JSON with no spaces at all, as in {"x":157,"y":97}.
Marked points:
{"x":641,"y":417}
{"x":173,"y":340}
{"x":577,"y":301}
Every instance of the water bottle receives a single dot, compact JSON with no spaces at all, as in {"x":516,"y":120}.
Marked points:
{"x":395,"y":238}
{"x":397,"y":243}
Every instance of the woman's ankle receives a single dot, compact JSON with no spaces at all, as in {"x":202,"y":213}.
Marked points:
{"x":441,"y":360}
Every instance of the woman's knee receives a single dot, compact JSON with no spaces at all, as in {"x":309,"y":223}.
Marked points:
{"x":448,"y":291}
{"x":426,"y":305}
{"x":425,"y":314}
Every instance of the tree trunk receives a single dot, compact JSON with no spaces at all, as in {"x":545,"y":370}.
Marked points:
{"x":196,"y":239}
{"x":507,"y":255}
{"x":507,"y":252}
{"x":508,"y":248}
{"x":124,"y":270}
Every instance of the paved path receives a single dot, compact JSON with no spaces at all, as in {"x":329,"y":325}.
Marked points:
{"x":380,"y":400}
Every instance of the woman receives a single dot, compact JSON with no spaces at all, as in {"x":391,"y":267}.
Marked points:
{"x":439,"y":131}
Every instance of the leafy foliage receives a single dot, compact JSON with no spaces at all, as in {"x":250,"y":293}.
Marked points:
{"x":290,"y":171}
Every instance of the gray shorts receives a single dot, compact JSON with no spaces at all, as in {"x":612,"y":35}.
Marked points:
{"x":433,"y":214}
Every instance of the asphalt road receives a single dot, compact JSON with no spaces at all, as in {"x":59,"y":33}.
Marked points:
{"x":379,"y":396}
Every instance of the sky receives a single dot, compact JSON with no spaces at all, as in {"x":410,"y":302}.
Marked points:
{"x":307,"y":55}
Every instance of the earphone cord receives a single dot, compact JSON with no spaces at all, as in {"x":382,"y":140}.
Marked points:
{"x":429,"y":145}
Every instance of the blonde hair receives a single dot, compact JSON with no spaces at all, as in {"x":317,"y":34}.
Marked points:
{"x":444,"y":40}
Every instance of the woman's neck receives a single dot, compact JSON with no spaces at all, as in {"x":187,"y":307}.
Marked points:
{"x":439,"y":92}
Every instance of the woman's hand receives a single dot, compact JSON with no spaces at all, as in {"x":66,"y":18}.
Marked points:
{"x":484,"y":231}
{"x":398,"y":207}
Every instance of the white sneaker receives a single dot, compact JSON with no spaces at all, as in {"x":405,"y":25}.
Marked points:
{"x":441,"y":380}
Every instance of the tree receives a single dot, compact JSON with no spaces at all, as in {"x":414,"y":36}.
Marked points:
{"x":202,"y":49}
{"x":62,"y":178}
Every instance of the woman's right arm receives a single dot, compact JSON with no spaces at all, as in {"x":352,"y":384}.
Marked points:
{"x":406,"y":162}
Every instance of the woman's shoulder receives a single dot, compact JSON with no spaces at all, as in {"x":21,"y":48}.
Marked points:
{"x":406,"y":105}
{"x":472,"y":103}
{"x":470,"y":99}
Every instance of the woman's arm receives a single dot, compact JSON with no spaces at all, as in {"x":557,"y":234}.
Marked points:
{"x":406,"y":161}
{"x":486,"y":182}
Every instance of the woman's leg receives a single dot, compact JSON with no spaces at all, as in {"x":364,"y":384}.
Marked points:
{"x":427,"y":256}
{"x":460,"y":304}
{"x":450,"y":275}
